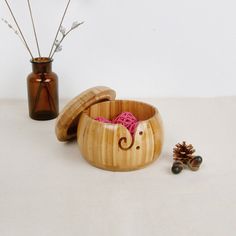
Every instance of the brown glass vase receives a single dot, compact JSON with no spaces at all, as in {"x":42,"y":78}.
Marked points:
{"x":42,"y":86}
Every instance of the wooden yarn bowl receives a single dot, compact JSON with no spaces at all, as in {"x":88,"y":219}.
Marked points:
{"x":111,"y":146}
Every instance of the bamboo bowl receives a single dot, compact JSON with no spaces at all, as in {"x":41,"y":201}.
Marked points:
{"x":111,"y":146}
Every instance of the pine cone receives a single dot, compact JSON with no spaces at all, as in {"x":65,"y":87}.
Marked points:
{"x":183,"y":152}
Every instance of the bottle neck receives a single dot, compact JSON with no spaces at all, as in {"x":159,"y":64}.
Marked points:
{"x":41,"y":65}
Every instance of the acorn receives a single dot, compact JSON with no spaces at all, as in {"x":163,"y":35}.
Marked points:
{"x":177,"y":167}
{"x":195,"y":163}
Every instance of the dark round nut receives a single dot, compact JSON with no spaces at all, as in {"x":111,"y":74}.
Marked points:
{"x":195,"y":163}
{"x":177,"y":167}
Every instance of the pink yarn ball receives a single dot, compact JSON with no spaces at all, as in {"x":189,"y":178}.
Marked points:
{"x":128,"y":120}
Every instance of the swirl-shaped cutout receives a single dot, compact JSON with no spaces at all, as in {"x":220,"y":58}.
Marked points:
{"x":124,"y":140}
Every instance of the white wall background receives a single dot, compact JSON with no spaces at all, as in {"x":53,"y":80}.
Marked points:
{"x":141,"y":48}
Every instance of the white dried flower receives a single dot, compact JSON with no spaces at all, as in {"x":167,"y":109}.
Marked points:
{"x":57,"y":42}
{"x":63,"y":30}
{"x":5,"y":21}
{"x":14,"y":30}
{"x":76,"y":24}
{"x":10,"y":26}
{"x":58,"y":48}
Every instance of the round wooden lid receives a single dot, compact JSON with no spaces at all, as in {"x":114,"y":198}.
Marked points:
{"x":67,"y":121}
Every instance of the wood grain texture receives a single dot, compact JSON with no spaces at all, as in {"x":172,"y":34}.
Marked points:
{"x":67,"y":121}
{"x":104,"y":145}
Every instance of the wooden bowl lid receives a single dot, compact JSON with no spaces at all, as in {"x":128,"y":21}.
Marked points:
{"x":68,"y":119}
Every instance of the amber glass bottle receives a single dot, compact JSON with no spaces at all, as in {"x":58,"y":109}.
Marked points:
{"x":42,"y":86}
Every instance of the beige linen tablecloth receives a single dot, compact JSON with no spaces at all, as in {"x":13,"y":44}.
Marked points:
{"x":48,"y":189}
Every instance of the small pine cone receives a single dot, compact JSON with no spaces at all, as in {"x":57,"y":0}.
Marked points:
{"x":183,"y":152}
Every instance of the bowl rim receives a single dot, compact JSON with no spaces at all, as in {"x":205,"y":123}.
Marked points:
{"x":156,"y":111}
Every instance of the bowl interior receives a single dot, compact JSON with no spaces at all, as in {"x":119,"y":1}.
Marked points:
{"x":111,"y":109}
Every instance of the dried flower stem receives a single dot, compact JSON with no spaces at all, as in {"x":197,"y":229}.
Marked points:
{"x":63,"y":37}
{"x":18,"y":27}
{"x":59,"y":28}
{"x":39,"y":90}
{"x":32,"y":20}
{"x":15,"y":31}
